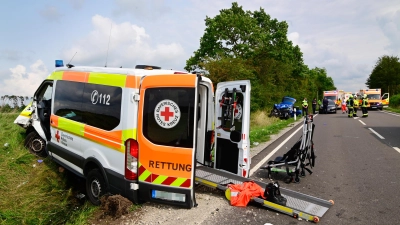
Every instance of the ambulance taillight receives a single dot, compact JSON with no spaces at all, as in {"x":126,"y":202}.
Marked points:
{"x":131,"y":157}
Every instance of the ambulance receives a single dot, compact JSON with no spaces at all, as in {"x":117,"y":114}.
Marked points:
{"x":334,"y":96}
{"x":139,"y":132}
{"x":374,"y":98}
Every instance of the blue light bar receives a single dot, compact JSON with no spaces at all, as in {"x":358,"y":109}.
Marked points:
{"x":59,"y":63}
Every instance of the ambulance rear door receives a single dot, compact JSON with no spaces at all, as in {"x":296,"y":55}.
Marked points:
{"x":232,"y":128}
{"x":166,"y":137}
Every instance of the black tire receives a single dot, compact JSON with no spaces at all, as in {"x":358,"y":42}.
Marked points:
{"x":35,"y":144}
{"x":95,"y":186}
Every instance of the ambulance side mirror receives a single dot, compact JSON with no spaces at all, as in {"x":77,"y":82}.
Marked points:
{"x":236,"y":136}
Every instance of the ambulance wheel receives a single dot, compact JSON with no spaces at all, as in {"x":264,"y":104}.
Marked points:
{"x":35,"y":144}
{"x":95,"y":186}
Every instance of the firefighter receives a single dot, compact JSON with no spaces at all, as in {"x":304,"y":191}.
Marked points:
{"x":364,"y":106}
{"x":355,"y":106}
{"x":350,"y":106}
{"x":305,"y":107}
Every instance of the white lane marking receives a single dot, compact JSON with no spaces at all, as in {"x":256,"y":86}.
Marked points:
{"x":390,"y":113}
{"x":259,"y":164}
{"x":362,"y":122}
{"x":397,"y":149}
{"x":376,"y":133}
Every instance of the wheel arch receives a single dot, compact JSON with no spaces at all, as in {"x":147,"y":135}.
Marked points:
{"x":92,"y":163}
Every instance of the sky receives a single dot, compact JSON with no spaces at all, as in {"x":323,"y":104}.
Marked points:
{"x":345,"y":37}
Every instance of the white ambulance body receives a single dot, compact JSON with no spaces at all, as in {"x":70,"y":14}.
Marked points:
{"x":139,"y":132}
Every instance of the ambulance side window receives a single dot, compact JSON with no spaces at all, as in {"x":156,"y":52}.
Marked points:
{"x":101,"y":105}
{"x":92,"y":104}
{"x":67,"y":100}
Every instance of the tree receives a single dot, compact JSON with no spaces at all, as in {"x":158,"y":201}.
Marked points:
{"x":236,"y":33}
{"x":385,"y":75}
{"x":240,"y":44}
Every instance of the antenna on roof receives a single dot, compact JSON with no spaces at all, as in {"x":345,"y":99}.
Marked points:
{"x":70,"y":65}
{"x":109,"y":37}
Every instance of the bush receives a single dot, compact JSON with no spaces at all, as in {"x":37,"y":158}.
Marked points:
{"x":394,"y":101}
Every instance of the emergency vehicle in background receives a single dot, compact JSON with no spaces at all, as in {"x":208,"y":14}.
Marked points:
{"x":374,"y":97}
{"x":149,"y":134}
{"x":346,"y":96}
{"x":385,"y":100}
{"x":334,"y":96}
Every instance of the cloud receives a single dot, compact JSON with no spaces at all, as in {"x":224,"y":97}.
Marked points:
{"x":294,"y":37}
{"x":50,"y":13}
{"x":142,"y":9}
{"x":10,"y":54}
{"x":77,"y":4}
{"x":390,"y":26}
{"x":22,"y":82}
{"x":127,"y":46}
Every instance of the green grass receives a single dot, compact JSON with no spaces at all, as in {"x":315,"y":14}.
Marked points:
{"x":37,"y":193}
{"x":262,"y":126}
{"x":393,"y":109}
{"x":33,"y":192}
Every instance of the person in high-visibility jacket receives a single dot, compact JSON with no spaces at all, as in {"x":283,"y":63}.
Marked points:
{"x":355,"y":106}
{"x":364,"y":106}
{"x":305,"y":107}
{"x":350,"y":106}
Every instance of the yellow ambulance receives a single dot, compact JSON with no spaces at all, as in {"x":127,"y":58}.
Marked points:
{"x":139,"y":132}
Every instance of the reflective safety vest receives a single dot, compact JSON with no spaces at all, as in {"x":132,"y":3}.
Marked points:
{"x":364,"y":102}
{"x":241,"y":194}
{"x":305,"y":103}
{"x":351,"y":103}
{"x":355,"y":103}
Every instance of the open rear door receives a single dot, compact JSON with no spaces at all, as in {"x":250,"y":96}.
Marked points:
{"x":232,"y":128}
{"x":167,"y":138}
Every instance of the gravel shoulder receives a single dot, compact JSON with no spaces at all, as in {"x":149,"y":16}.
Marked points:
{"x":210,"y":202}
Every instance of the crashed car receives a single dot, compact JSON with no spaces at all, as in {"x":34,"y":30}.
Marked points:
{"x":285,"y":109}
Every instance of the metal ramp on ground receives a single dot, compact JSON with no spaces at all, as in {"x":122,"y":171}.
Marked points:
{"x":298,"y":205}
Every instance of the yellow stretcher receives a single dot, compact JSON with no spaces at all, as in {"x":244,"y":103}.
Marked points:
{"x":298,"y":205}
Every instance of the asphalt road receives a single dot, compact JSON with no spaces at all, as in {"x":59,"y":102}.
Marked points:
{"x":357,"y":166}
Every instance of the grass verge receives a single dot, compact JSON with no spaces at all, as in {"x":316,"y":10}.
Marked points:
{"x":392,"y":109}
{"x":32,"y":189}
{"x":262,"y":126}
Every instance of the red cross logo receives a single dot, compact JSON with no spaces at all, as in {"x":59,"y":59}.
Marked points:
{"x":166,"y":114}
{"x":57,"y":136}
